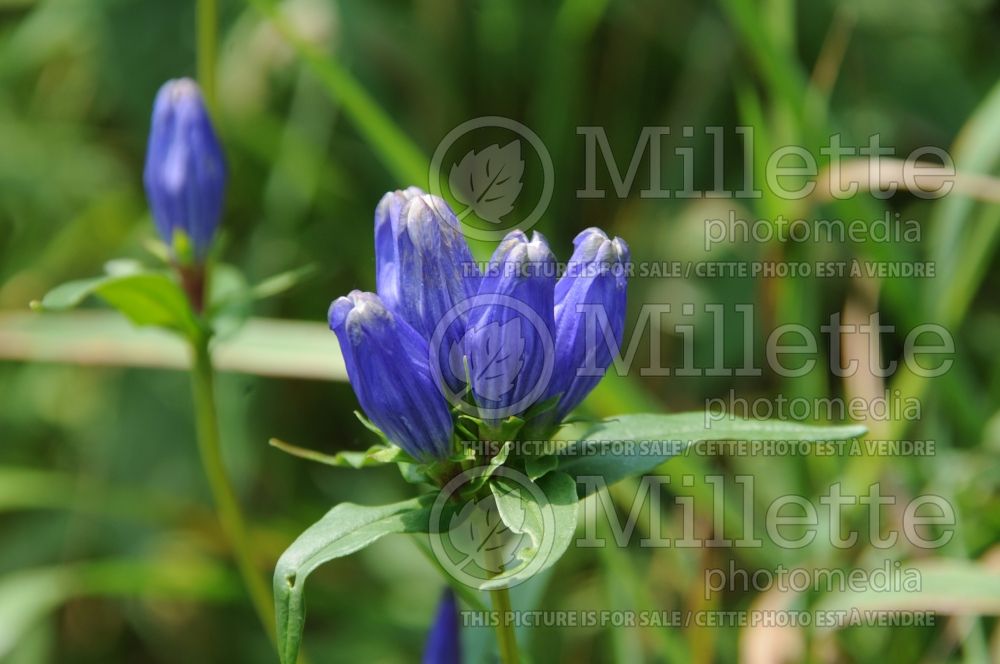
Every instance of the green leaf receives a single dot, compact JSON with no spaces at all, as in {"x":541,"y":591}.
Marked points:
{"x":376,"y":455}
{"x":230,"y":298}
{"x":476,"y":483}
{"x":145,"y":298}
{"x":281,"y":282}
{"x":368,"y":424}
{"x":658,"y":438}
{"x":539,"y":466}
{"x":345,"y":529}
{"x":229,"y":303}
{"x":549,"y":525}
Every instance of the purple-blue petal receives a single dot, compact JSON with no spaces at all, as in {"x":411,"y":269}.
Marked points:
{"x":386,"y":222}
{"x":590,"y":301}
{"x":444,"y":644}
{"x":511,"y":331}
{"x":387,"y":363}
{"x":436,"y":273}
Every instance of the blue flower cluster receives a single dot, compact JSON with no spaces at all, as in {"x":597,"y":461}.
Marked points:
{"x":441,"y":333}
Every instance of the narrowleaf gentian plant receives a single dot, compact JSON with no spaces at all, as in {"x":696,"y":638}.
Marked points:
{"x":467,"y":373}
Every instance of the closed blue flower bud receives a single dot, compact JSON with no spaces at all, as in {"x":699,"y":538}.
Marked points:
{"x":510,"y":336}
{"x":589,"y":311}
{"x":386,"y":222}
{"x":436,"y":273}
{"x":387,"y":363}
{"x":443,"y":643}
{"x":185,"y":173}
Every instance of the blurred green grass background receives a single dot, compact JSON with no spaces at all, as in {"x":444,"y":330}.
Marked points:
{"x":108,"y":548}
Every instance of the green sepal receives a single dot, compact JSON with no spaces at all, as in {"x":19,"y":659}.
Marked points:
{"x":477,"y":482}
{"x":539,"y":466}
{"x":376,"y":455}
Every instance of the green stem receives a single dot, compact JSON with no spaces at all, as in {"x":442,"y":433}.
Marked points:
{"x":227,"y":507}
{"x":207,"y":26}
{"x":506,"y":640}
{"x":503,"y":611}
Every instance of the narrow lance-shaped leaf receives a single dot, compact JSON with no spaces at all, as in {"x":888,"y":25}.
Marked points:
{"x":145,"y":298}
{"x":660,"y":437}
{"x":342,"y":531}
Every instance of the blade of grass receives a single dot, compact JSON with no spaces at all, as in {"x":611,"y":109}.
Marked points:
{"x":400,"y":155}
{"x":263,"y":347}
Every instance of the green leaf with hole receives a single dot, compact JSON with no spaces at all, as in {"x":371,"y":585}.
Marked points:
{"x":145,"y":298}
{"x":636,"y":444}
{"x":345,"y":529}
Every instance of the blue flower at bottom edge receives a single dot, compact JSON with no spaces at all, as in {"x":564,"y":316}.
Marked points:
{"x":387,"y":363}
{"x":443,"y":643}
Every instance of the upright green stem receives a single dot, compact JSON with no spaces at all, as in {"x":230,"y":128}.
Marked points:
{"x":502,"y":609}
{"x":207,"y":26}
{"x":506,"y":640}
{"x":227,"y":507}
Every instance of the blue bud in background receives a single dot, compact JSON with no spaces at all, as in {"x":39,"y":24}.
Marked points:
{"x":589,"y":310}
{"x":185,"y":173}
{"x":510,"y":336}
{"x":386,"y":222}
{"x":443,"y":643}
{"x":387,"y":363}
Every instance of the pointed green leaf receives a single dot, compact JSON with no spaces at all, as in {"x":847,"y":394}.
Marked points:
{"x":145,"y":298}
{"x":657,"y":438}
{"x":549,"y":523}
{"x":279,"y":283}
{"x":345,"y":529}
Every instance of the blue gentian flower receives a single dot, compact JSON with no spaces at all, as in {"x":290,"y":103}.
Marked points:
{"x":443,"y":643}
{"x":510,"y":337}
{"x":591,"y":293}
{"x":185,"y":172}
{"x":517,"y":334}
{"x":387,"y":363}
